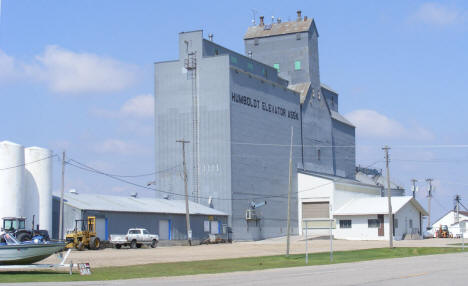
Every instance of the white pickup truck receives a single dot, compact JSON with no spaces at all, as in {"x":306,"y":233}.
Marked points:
{"x":135,"y":238}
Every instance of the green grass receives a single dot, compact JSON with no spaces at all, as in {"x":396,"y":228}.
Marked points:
{"x":223,"y":265}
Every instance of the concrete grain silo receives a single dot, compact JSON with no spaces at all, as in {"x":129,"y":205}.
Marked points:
{"x":38,"y":187}
{"x":11,"y":179}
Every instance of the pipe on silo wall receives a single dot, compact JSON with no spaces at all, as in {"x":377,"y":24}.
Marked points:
{"x":11,"y":180}
{"x":39,"y":187}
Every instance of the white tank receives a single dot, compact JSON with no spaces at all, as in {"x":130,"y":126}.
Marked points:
{"x":11,"y":179}
{"x":38,"y":187}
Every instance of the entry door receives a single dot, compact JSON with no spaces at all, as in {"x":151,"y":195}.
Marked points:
{"x":381,"y":224}
{"x":101,"y":228}
{"x":164,"y":229}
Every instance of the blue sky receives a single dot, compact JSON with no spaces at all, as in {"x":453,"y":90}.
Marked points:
{"x":77,"y":75}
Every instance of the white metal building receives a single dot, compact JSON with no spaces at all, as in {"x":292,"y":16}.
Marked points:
{"x":320,"y":195}
{"x":450,"y":219}
{"x":358,"y":209}
{"x":367,"y":219}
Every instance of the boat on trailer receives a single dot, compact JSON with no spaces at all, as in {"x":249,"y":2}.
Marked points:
{"x":13,"y":252}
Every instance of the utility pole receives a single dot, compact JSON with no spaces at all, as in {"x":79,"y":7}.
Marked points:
{"x":457,"y":208}
{"x":60,"y":235}
{"x":389,"y":196}
{"x":187,"y":211}
{"x":414,"y":187}
{"x":289,"y":194}
{"x":429,"y":196}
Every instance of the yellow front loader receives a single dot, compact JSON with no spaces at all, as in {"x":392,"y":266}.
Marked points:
{"x":81,"y":238}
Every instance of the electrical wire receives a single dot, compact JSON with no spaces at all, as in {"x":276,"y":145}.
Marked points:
{"x":131,"y":176}
{"x":28,"y":163}
{"x":260,"y":196}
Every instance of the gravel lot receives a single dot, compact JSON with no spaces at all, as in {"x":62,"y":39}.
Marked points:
{"x":277,"y":246}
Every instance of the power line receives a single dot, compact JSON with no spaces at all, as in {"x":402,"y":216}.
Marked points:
{"x":131,"y":176}
{"x":259,"y":196}
{"x":28,"y":163}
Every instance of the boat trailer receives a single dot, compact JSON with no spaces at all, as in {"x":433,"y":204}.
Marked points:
{"x":83,"y":267}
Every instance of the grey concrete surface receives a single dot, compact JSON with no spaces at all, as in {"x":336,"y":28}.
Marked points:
{"x":447,"y":269}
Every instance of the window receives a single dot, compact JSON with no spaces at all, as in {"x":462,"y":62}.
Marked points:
{"x":216,"y":52}
{"x":313,"y":92}
{"x":256,"y":41}
{"x":250,"y":66}
{"x":206,"y":226}
{"x":145,"y":231}
{"x":264,"y":72}
{"x":297,"y":65}
{"x":373,"y":223}
{"x":233,"y":60}
{"x":395,"y":223}
{"x":276,"y":66}
{"x":411,"y":223}
{"x":298,"y":36}
{"x":133,"y":231}
{"x":318,"y":154}
{"x":345,"y":223}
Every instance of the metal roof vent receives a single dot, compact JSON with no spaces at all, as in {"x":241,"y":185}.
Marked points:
{"x":261,"y":21}
{"x":210,"y":36}
{"x":299,"y":17}
{"x":134,"y":195}
{"x":73,"y":191}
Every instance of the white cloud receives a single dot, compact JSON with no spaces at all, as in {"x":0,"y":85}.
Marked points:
{"x":371,"y":124}
{"x":122,"y":147}
{"x":438,"y":14}
{"x":68,"y":72}
{"x":139,"y":106}
{"x":8,"y":67}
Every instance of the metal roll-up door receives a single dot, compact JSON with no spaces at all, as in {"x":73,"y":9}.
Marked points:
{"x":315,"y":210}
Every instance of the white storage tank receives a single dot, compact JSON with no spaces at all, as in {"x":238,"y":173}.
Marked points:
{"x":38,"y":187}
{"x":11,"y":179}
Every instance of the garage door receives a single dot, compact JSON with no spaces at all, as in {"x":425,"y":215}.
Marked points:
{"x":315,"y":210}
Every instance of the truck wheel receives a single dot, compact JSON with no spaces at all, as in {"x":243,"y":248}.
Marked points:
{"x":80,"y":246}
{"x":118,"y":246}
{"x":24,"y":236}
{"x":95,"y":243}
{"x":154,"y":243}
{"x":133,"y":244}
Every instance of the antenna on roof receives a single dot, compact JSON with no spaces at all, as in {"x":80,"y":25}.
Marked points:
{"x":254,"y":15}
